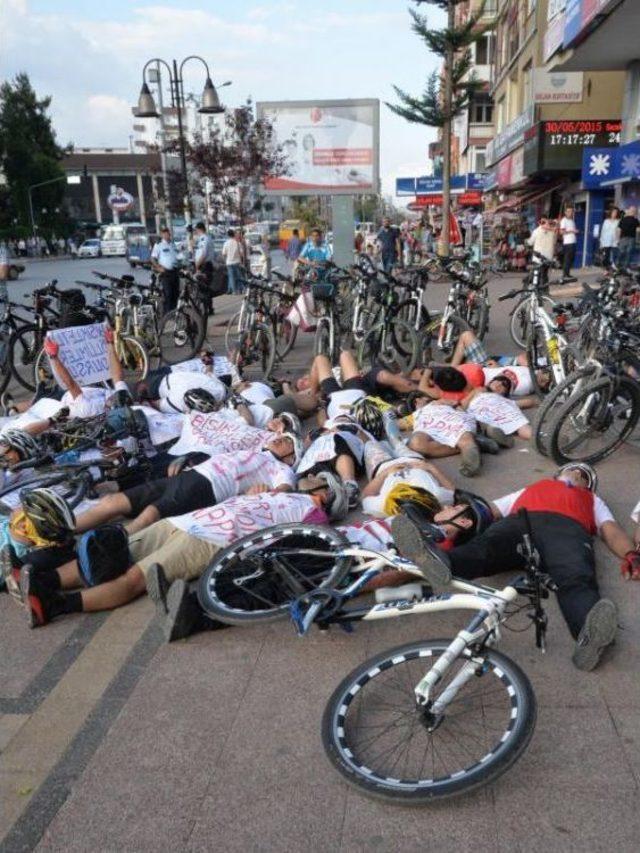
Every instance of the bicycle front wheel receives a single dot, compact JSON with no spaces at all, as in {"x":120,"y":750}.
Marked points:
{"x":257,"y":578}
{"x":390,"y":748}
{"x":181,"y":335}
{"x":393,"y":345}
{"x":548,"y":408}
{"x":24,"y":347}
{"x":133,"y":358}
{"x":596,"y":421}
{"x":255,"y":346}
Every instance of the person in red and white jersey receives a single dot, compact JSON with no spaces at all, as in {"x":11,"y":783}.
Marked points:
{"x":565,"y":514}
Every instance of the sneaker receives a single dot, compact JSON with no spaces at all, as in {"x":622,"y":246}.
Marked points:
{"x":487,"y":445}
{"x":38,"y":598}
{"x":353,"y":493}
{"x":10,"y":574}
{"x":499,"y":436}
{"x":157,"y":585}
{"x":411,"y":544}
{"x":182,"y":612}
{"x":598,"y":632}
{"x":471,"y":462}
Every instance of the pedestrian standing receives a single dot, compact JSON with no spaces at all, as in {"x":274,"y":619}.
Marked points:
{"x":628,"y":227}
{"x":569,"y":234}
{"x":233,"y":256}
{"x":204,"y":253}
{"x":22,"y":247}
{"x":294,"y":246}
{"x":388,"y":240}
{"x":610,"y":237}
{"x":164,"y":261}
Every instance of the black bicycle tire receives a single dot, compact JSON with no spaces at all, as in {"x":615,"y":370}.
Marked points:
{"x":195,"y":345}
{"x":483,"y":324}
{"x":377,"y":354}
{"x":233,"y":616}
{"x":521,"y":343}
{"x":560,"y":458}
{"x":27,"y":328}
{"x":550,"y":401}
{"x":485,"y":772}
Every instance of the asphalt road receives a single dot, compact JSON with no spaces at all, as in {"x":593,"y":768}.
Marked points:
{"x":111,"y":740}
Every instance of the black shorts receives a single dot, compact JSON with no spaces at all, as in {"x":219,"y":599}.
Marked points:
{"x":172,"y":495}
{"x":341,"y":448}
{"x":149,"y":388}
{"x":365,"y":382}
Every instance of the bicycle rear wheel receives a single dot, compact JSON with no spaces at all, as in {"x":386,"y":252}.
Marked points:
{"x":383,"y":743}
{"x":285,"y":333}
{"x":255,"y":346}
{"x":181,"y":335}
{"x":596,"y":421}
{"x":256,"y":579}
{"x":548,"y":408}
{"x":24,"y":346}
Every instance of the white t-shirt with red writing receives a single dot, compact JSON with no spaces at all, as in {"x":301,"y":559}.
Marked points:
{"x":497,"y":411}
{"x":233,"y":474}
{"x":443,"y":424}
{"x":520,"y":377}
{"x":227,"y":522}
{"x":374,"y":534}
{"x":218,"y":432}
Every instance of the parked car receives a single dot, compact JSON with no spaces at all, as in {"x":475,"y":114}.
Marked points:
{"x":15,"y":270}
{"x":90,"y":249}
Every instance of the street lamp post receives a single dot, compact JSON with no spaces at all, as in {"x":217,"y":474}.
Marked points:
{"x":210,"y":105}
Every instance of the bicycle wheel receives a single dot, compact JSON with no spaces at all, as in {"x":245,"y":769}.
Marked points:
{"x":322,"y":341}
{"x":232,"y":331}
{"x":519,"y":324}
{"x":5,"y":358}
{"x":387,"y":746}
{"x":285,"y":333}
{"x":478,"y":316}
{"x":596,"y":421}
{"x":255,"y":346}
{"x":181,"y":335}
{"x":24,"y":346}
{"x":548,"y":408}
{"x":256,"y":578}
{"x":133,"y":358}
{"x":393,"y":345}
{"x":538,"y":360}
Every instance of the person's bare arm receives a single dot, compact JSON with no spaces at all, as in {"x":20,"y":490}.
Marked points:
{"x":528,"y":402}
{"x":465,"y":402}
{"x":61,"y":373}
{"x":373,"y":486}
{"x":616,"y":539}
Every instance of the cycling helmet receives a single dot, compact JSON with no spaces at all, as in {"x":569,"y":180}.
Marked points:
{"x":22,"y":442}
{"x":587,"y":471}
{"x":337,"y":505}
{"x":298,"y":446}
{"x":479,"y":510}
{"x":200,"y":400}
{"x":49,"y":513}
{"x":402,"y":495}
{"x":291,"y":422}
{"x":369,"y":416}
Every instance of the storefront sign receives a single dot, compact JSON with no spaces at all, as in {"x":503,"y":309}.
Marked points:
{"x":609,"y":166}
{"x":511,"y":137}
{"x":429,"y":185}
{"x":557,"y":88}
{"x":553,"y":37}
{"x":559,"y":145}
{"x":118,"y":200}
{"x":511,"y":169}
{"x":476,"y":180}
{"x":578,"y":17}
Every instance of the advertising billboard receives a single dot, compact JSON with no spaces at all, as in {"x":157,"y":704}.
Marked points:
{"x":332,"y":147}
{"x":557,"y":87}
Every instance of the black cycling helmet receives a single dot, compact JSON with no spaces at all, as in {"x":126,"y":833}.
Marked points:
{"x":479,"y":511}
{"x":369,"y":417}
{"x":22,"y":442}
{"x":50,"y":514}
{"x":200,"y":400}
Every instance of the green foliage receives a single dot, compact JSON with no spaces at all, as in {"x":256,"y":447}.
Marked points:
{"x":307,"y":210}
{"x":29,"y":154}
{"x":428,"y":108}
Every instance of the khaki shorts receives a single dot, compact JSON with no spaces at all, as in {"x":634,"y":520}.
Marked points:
{"x":180,"y":554}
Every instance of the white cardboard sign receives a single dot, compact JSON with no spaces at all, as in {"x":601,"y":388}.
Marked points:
{"x":83,"y":351}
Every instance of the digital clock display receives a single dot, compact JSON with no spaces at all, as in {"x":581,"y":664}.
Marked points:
{"x":558,"y":145}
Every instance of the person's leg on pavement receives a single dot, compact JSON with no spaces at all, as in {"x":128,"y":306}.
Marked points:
{"x":321,"y":369}
{"x":107,"y":508}
{"x":349,"y":366}
{"x":429,"y":447}
{"x":147,"y":517}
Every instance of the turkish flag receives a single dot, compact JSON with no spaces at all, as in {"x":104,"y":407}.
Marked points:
{"x":455,"y":237}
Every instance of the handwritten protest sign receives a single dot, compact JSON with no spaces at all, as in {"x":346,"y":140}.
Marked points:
{"x":83,"y":351}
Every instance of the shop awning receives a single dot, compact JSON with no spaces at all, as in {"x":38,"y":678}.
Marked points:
{"x":528,"y":197}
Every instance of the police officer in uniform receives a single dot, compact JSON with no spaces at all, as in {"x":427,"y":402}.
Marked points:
{"x":204,"y":253}
{"x":164,"y":260}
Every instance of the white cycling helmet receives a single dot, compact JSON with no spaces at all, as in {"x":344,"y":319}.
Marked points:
{"x":587,"y":471}
{"x":337,"y":505}
{"x":298,"y":446}
{"x":292,"y":422}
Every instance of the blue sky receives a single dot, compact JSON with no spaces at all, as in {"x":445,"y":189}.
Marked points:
{"x":89,"y":57}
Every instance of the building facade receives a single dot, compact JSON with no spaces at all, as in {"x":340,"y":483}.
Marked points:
{"x":544,"y":119}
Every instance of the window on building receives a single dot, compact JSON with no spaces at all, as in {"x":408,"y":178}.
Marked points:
{"x":479,"y":159}
{"x":527,"y":84}
{"x":484,"y":50}
{"x":481,"y":109}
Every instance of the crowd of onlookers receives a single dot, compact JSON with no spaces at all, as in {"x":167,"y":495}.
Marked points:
{"x":40,"y":247}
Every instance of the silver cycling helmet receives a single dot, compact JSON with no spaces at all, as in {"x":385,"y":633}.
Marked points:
{"x":587,"y":471}
{"x":292,"y":422}
{"x":22,"y":442}
{"x":298,"y":446}
{"x":337,"y":504}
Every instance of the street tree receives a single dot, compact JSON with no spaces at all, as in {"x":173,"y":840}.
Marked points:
{"x":231,"y":166}
{"x":29,"y":154}
{"x":447,"y":92}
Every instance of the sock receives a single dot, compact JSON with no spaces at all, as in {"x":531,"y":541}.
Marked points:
{"x":69,"y":602}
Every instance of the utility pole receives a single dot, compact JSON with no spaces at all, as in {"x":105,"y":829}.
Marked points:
{"x":446,"y":134}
